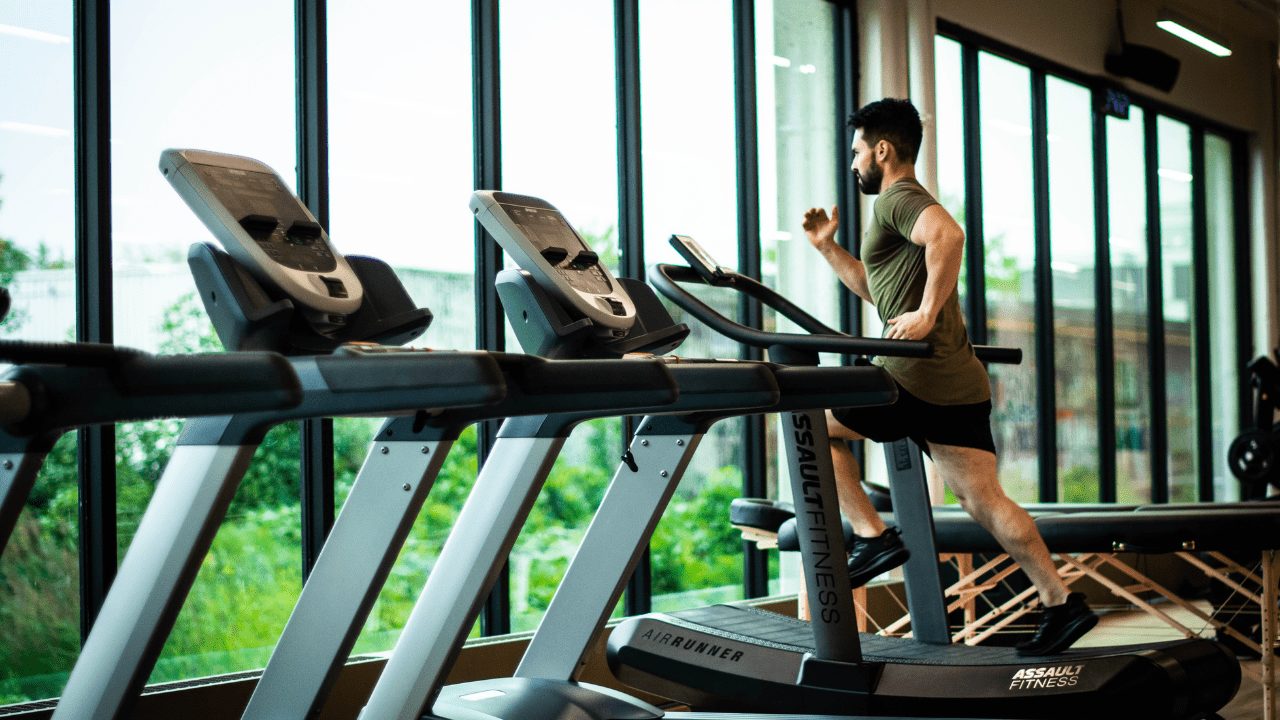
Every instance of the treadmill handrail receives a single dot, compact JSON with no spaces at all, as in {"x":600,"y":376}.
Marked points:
{"x":820,"y":338}
{"x":132,"y":385}
{"x":72,"y":354}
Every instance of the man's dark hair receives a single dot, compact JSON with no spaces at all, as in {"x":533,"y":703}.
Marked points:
{"x":890,"y":119}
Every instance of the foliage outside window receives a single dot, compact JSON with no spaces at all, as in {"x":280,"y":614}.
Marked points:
{"x":39,"y":571}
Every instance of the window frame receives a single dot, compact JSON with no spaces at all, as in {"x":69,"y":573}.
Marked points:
{"x":94,"y":307}
{"x":971,"y":44}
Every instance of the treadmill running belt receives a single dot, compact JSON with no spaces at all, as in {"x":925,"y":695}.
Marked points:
{"x":761,"y":627}
{"x":728,"y":658}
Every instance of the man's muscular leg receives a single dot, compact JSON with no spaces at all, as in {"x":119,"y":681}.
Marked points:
{"x":854,"y":502}
{"x":877,"y":549}
{"x":971,"y":474}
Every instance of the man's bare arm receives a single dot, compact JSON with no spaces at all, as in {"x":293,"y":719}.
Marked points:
{"x":848,"y":268}
{"x":943,"y":242}
{"x":821,"y":231}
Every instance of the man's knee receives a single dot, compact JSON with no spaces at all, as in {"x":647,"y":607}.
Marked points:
{"x":971,"y":474}
{"x":838,"y":430}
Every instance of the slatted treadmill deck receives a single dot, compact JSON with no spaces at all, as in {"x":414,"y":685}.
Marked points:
{"x":752,"y":625}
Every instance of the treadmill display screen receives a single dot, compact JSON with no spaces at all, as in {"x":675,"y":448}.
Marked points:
{"x":254,"y":199}
{"x":546,"y":228}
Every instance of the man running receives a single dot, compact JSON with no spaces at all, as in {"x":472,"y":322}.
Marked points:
{"x":910,"y":264}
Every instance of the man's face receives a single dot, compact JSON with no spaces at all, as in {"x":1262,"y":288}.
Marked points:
{"x":868,"y":173}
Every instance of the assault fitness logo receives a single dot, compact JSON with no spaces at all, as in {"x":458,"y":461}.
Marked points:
{"x":1037,"y":678}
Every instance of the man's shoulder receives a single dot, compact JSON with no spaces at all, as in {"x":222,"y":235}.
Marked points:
{"x":906,"y":190}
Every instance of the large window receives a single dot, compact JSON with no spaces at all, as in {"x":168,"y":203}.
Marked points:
{"x":1009,"y":245}
{"x":559,"y":143}
{"x":1144,"y":336}
{"x":689,"y":151}
{"x":400,"y":168}
{"x":798,"y":130}
{"x":1126,"y":178}
{"x":1224,"y":365}
{"x":39,"y":572}
{"x":1073,"y":260}
{"x":1178,"y":287}
{"x":242,"y":102}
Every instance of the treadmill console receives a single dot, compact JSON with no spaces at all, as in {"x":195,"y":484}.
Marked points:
{"x":268,"y":230}
{"x":541,"y":241}
{"x":699,"y":259}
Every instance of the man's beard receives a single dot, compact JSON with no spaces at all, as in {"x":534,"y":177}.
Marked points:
{"x":870,"y":184}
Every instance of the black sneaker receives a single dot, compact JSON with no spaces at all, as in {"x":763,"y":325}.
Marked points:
{"x":1060,"y":626}
{"x":872,"y":556}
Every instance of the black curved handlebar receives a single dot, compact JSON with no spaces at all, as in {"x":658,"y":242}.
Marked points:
{"x":996,"y":354}
{"x":667,"y":278}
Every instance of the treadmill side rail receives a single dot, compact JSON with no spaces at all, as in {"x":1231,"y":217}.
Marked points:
{"x":616,"y":538}
{"x":18,"y":472}
{"x":911,"y":508}
{"x":352,"y":567}
{"x":158,"y":570}
{"x":467,"y":567}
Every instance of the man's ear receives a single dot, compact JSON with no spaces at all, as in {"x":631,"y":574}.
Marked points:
{"x":883,"y":148}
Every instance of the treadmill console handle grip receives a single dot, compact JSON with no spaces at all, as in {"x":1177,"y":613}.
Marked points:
{"x":245,"y":373}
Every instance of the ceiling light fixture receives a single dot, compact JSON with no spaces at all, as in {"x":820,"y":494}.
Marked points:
{"x":1179,"y":26}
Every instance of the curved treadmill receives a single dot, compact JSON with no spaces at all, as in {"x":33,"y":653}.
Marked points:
{"x":732,"y":658}
{"x":562,"y":304}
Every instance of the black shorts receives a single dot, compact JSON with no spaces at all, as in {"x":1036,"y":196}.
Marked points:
{"x":959,"y":425}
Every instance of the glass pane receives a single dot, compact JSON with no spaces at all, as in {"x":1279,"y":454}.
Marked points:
{"x":400,"y":138}
{"x":690,"y":181}
{"x":560,"y":517}
{"x":400,"y":141}
{"x":690,"y":160}
{"x":39,"y":571}
{"x":949,"y":118}
{"x":798,"y":153}
{"x":1178,"y":281}
{"x":559,"y":142}
{"x":1071,"y":233}
{"x":1126,"y":180}
{"x":250,"y":580}
{"x":1224,"y":370}
{"x":1009,"y":243}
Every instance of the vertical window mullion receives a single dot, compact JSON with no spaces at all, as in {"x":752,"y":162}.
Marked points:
{"x":846,"y":44}
{"x":1159,"y":441}
{"x":755,"y":561}
{"x":96,"y":450}
{"x":496,"y":617}
{"x":1105,"y":321}
{"x":316,"y":438}
{"x":975,"y":254}
{"x":1202,"y":363}
{"x":1045,"y":373}
{"x":1243,"y":274}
